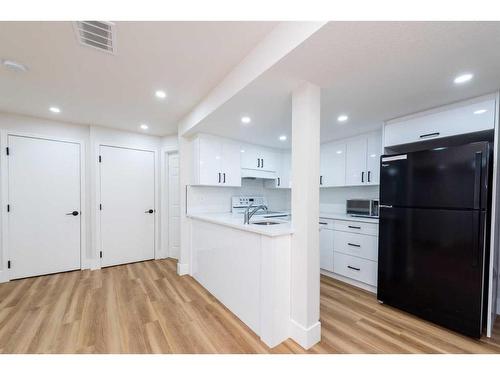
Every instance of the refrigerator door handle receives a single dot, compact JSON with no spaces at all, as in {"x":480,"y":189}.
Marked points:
{"x":475,"y":239}
{"x":384,"y":206}
{"x":478,"y":158}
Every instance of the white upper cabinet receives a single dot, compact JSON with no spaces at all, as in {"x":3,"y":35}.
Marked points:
{"x":373,"y":153}
{"x":283,"y":178}
{"x":216,"y":161}
{"x":355,"y":168}
{"x":258,"y":158}
{"x":351,"y":162}
{"x":444,"y":122}
{"x":332,"y":164}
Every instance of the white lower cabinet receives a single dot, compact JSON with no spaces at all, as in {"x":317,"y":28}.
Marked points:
{"x":355,"y":268}
{"x":325,"y":247}
{"x":350,"y":249}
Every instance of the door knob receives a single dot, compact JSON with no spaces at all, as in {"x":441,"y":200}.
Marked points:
{"x":150,"y":211}
{"x":74,"y":213}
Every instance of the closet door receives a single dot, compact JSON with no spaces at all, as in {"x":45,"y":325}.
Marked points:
{"x":128,"y":205}
{"x":44,"y":206}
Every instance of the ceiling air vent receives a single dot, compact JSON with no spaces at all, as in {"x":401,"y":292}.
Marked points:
{"x":97,"y":34}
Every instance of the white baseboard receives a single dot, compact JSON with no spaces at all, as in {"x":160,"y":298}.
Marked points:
{"x":4,"y":277}
{"x":182,"y":269}
{"x":305,"y":337}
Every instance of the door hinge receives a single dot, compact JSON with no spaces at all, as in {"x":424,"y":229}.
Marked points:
{"x":8,"y":208}
{"x":100,"y":254}
{"x":8,"y":264}
{"x":7,"y":150}
{"x":100,"y":159}
{"x":100,"y":207}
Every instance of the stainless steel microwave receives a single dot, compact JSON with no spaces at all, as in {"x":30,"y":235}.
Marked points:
{"x":362,"y":207}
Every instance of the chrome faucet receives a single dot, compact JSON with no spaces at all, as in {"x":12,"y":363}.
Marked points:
{"x":248,"y":214}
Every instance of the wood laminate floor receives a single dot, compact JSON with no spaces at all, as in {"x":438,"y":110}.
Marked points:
{"x":146,"y":308}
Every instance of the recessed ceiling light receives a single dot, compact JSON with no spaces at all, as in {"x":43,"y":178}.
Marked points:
{"x":282,"y":138}
{"x":144,"y":127}
{"x":462,"y":78}
{"x":242,"y":151}
{"x":480,"y":111}
{"x":14,"y":66}
{"x":55,"y":110}
{"x":246,"y":120}
{"x":339,"y":152}
{"x":160,"y":94}
{"x":342,"y":118}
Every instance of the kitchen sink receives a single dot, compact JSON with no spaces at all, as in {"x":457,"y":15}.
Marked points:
{"x":267,"y":222}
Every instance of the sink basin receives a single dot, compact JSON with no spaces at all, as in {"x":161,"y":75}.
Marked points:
{"x":267,"y":222}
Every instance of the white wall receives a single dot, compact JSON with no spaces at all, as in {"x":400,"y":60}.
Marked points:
{"x":91,"y":137}
{"x":218,"y":199}
{"x":333,"y":200}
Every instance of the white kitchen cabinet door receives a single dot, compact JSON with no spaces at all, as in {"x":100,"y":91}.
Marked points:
{"x":443,"y":122}
{"x":326,"y":249}
{"x":259,"y":158}
{"x":333,"y":164}
{"x":217,"y":162}
{"x":44,"y":206}
{"x":209,"y":161}
{"x":356,"y":161}
{"x":231,"y":164}
{"x":250,"y":156}
{"x":283,"y":172}
{"x":373,"y":152}
{"x":269,"y":159}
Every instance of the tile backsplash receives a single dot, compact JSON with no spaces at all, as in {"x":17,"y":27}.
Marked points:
{"x":333,"y":200}
{"x":218,"y":199}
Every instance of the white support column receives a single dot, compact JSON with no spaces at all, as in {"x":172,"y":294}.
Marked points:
{"x":185,"y":170}
{"x":305,"y":325}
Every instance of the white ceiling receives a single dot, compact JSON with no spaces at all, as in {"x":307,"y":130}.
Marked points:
{"x":372,"y":71}
{"x":186,"y":59}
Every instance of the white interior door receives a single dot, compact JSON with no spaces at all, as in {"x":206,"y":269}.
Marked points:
{"x":44,"y":206}
{"x":174,"y":210}
{"x":128,"y":205}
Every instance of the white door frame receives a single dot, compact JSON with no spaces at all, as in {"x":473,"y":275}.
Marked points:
{"x":4,"y":178}
{"x":165,"y":224}
{"x":97,"y":227}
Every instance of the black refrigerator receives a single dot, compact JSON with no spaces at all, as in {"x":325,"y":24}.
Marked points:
{"x":434,"y":234}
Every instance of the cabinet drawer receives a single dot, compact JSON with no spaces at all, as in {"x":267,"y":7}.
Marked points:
{"x":359,"y":245}
{"x":356,"y":268}
{"x":356,"y":227}
{"x":326,"y":223}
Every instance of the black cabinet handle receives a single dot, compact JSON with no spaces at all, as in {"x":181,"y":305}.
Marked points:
{"x":74,"y":213}
{"x":368,"y":176}
{"x":262,"y":162}
{"x":353,"y":244}
{"x":219,"y":177}
{"x":430,"y":135}
{"x":321,"y":180}
{"x":258,"y":163}
{"x":224,"y":174}
{"x":363,"y":176}
{"x":354,"y":268}
{"x":150,"y":211}
{"x":323,"y":223}
{"x":353,"y":227}
{"x":279,"y":181}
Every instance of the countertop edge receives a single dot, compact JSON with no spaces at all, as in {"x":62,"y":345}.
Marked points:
{"x":274,"y":232}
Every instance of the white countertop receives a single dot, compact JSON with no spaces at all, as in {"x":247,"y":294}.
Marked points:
{"x":340,"y":216}
{"x":236,"y":221}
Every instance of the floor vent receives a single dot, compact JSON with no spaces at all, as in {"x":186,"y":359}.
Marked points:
{"x":97,"y":34}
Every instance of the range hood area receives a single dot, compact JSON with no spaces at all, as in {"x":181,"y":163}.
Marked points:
{"x":254,"y":174}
